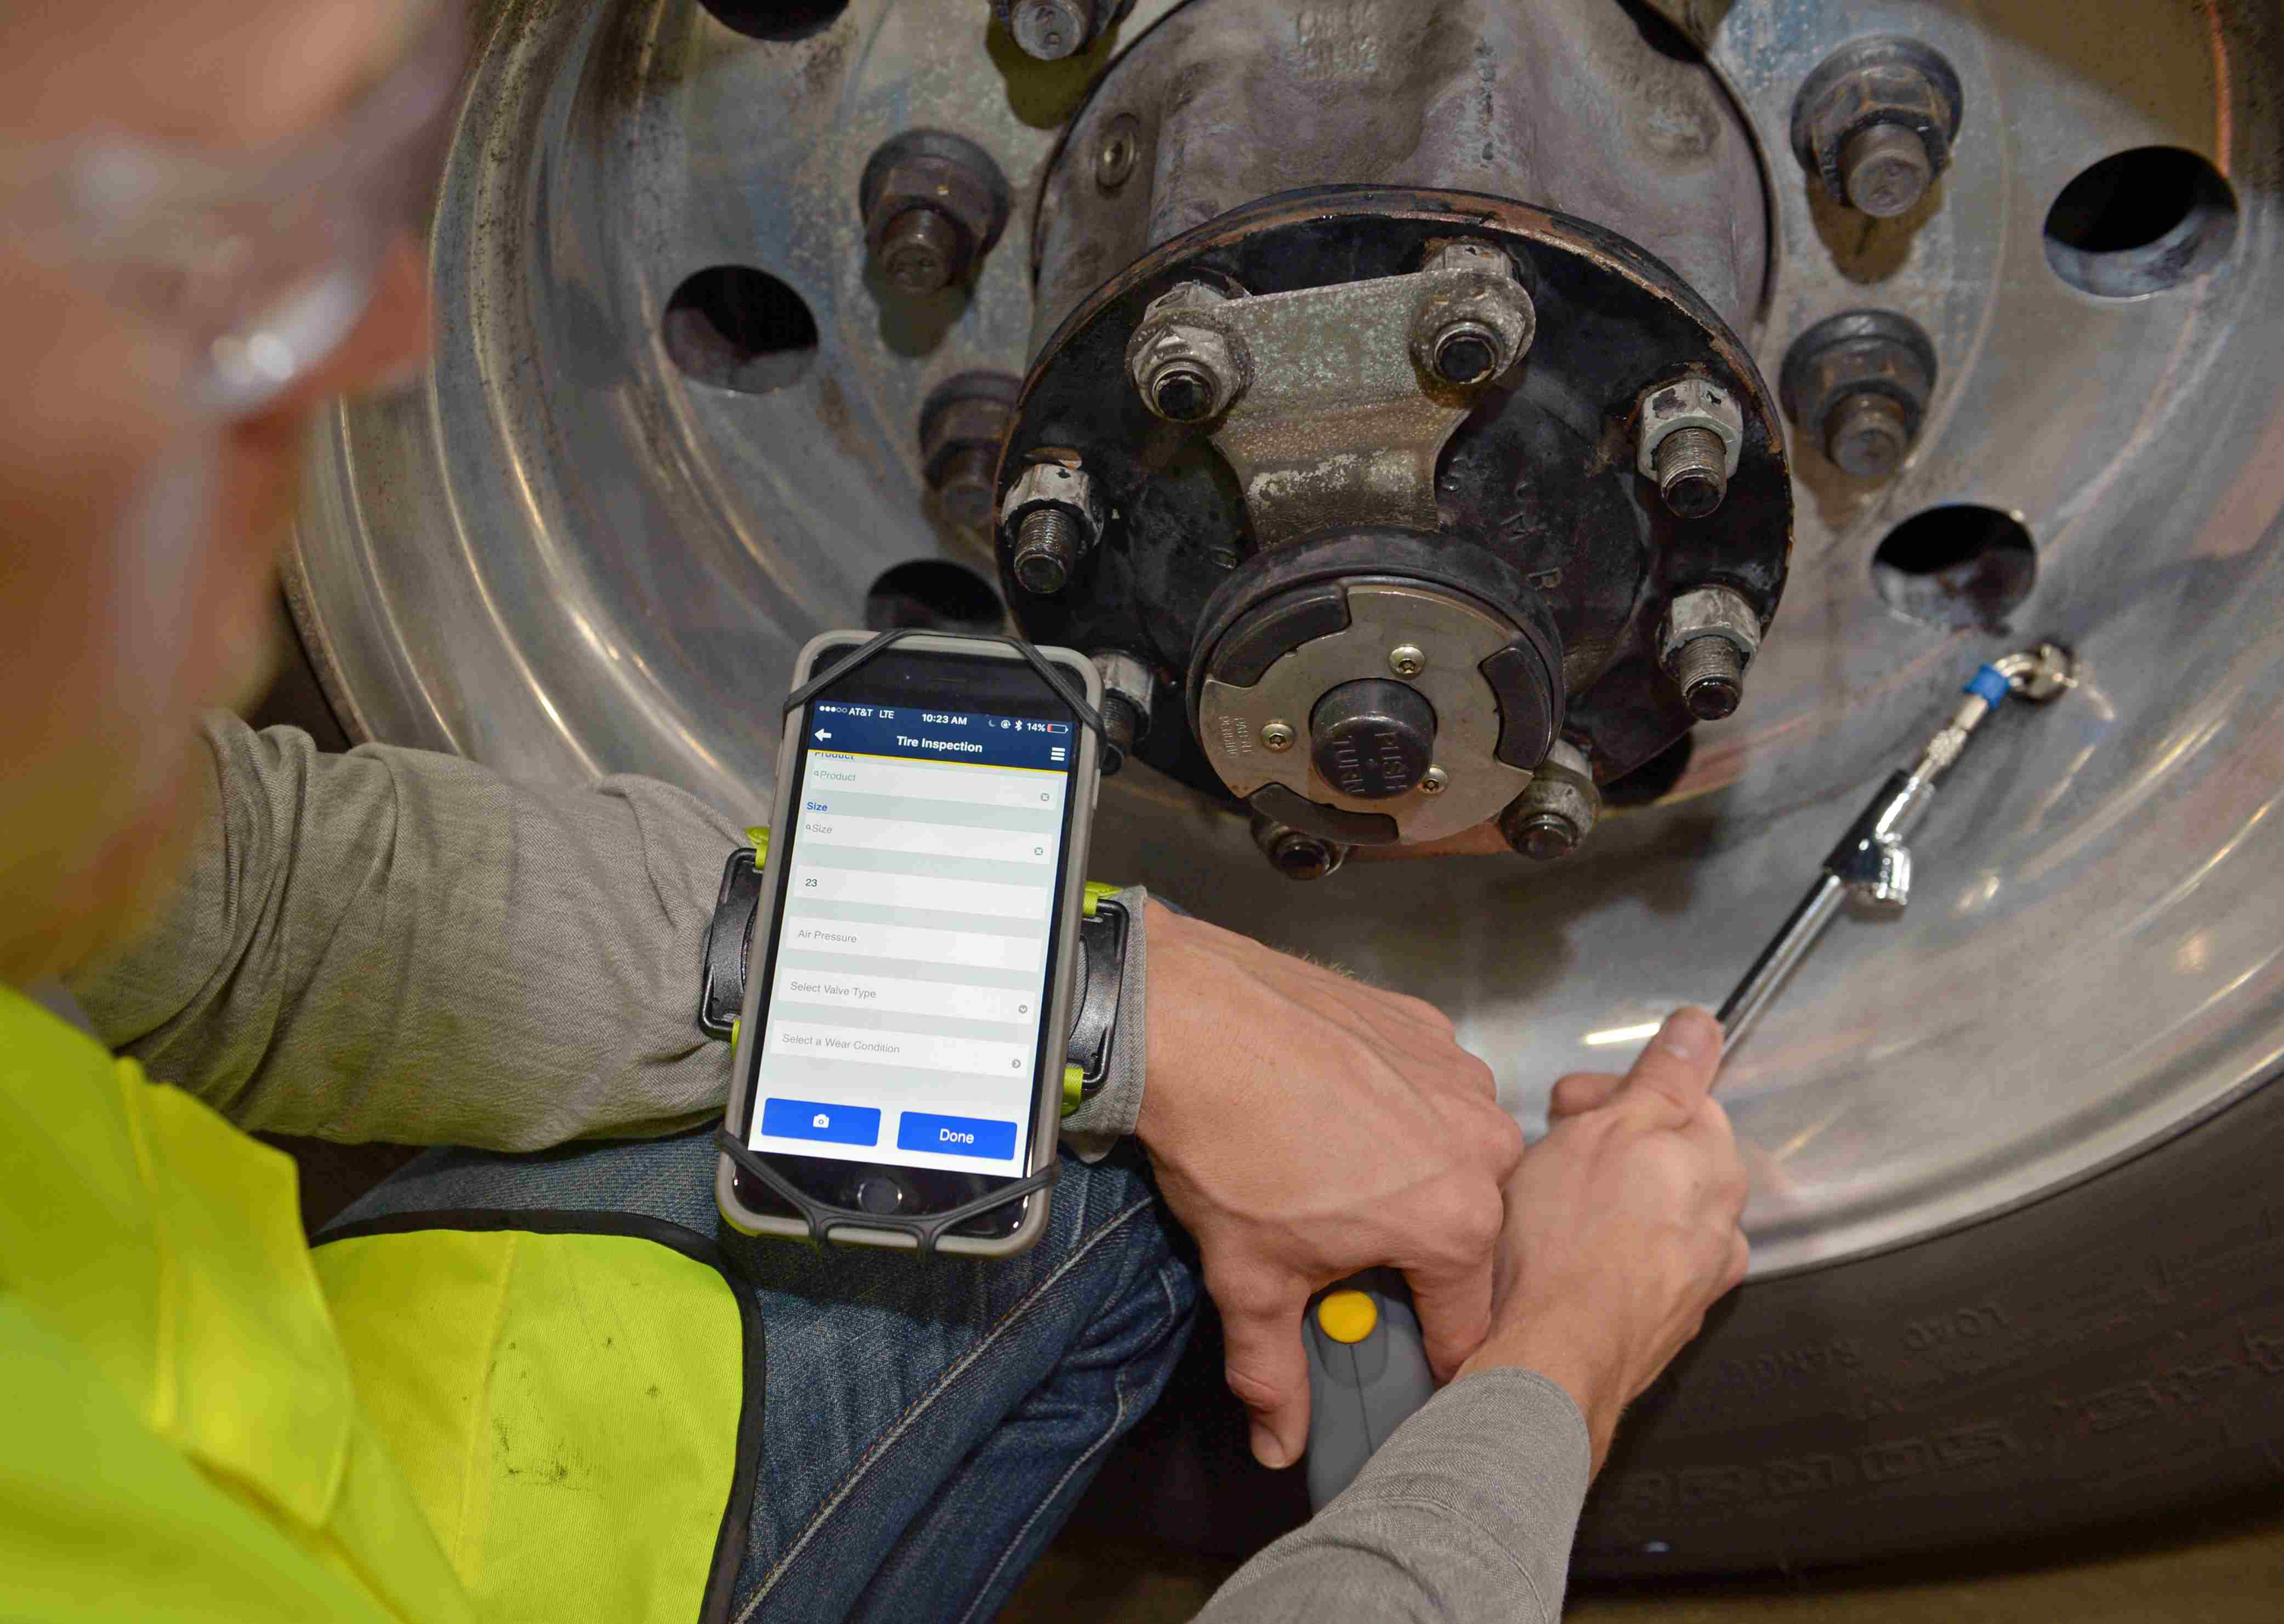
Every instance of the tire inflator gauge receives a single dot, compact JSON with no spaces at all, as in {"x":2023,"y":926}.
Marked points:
{"x":1368,"y":1364}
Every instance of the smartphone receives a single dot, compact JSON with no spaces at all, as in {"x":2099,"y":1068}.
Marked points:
{"x":911,"y":986}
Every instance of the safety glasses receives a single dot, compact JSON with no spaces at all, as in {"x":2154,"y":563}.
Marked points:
{"x":256,"y":265}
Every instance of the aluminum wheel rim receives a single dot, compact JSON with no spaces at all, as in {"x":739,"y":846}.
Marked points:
{"x":561,"y":557}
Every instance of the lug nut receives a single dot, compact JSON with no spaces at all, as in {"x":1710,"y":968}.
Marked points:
{"x":918,"y":250}
{"x":934,"y":204}
{"x":1886,"y":170}
{"x":1559,"y":809}
{"x":1710,"y":673}
{"x":1046,"y":549}
{"x":963,"y":424}
{"x":1859,"y":385}
{"x":1295,"y":853}
{"x":966,"y":487}
{"x":1277,"y":736}
{"x":1868,"y":436}
{"x":1052,"y":29}
{"x":1875,"y":123}
{"x":1128,"y":688}
{"x":1691,"y":475}
{"x":1406,"y":659}
{"x":1543,"y":837}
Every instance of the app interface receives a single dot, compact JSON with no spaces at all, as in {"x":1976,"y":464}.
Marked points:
{"x":910,"y":980}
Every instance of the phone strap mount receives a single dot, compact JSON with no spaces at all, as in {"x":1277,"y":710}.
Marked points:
{"x":1060,"y":685}
{"x":824,"y":1217}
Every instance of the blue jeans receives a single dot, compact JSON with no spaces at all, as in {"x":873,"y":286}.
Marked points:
{"x":928,"y":1425}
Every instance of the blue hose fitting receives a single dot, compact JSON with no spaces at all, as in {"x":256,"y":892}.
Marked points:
{"x":1989,"y":685}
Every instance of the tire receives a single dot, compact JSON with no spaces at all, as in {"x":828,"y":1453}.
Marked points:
{"x":2110,"y":1353}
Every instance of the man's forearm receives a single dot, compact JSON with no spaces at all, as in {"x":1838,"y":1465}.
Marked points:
{"x":397,"y":945}
{"x":1467,"y":1513}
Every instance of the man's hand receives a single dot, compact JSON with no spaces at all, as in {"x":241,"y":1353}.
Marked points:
{"x":1621,"y":1227}
{"x":1305,"y":1126}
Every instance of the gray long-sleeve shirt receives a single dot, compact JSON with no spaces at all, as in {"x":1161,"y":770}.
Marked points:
{"x":394,"y":945}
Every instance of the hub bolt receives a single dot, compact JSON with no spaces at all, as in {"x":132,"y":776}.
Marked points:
{"x":1184,"y":360}
{"x":1690,"y":438}
{"x":1183,"y":393}
{"x":1277,"y":736}
{"x":1405,"y":659}
{"x":1467,"y":353}
{"x":1050,"y":519}
{"x":1046,"y":550}
{"x":1710,"y":673}
{"x":1711,"y":633}
{"x":1690,"y":476}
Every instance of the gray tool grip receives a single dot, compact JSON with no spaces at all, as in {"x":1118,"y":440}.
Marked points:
{"x":1360,"y":1391}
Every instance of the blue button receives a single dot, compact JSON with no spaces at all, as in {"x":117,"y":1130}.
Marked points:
{"x":949,"y":1136}
{"x":806,"y":1118}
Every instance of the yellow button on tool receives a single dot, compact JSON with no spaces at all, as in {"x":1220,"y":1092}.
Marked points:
{"x":1347,"y":1316}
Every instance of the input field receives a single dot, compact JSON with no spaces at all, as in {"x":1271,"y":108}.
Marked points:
{"x":980,"y":786}
{"x":815,"y":883}
{"x":976,"y":1057}
{"x":911,"y":941}
{"x":893,"y":992}
{"x":881,"y":834}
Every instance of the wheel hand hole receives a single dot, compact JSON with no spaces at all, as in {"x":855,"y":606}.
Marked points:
{"x":933,"y":593}
{"x":740,"y":329}
{"x":1956,"y":567}
{"x":776,"y":19}
{"x":2140,"y":222}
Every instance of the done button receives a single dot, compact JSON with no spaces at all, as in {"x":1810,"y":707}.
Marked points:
{"x":950,"y":1136}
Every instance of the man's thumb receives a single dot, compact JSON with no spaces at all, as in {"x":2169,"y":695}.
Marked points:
{"x":1268,"y":1371}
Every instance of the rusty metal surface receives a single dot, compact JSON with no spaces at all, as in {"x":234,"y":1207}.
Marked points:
{"x":1568,"y":104}
{"x":1540,"y":476}
{"x":1337,"y":427}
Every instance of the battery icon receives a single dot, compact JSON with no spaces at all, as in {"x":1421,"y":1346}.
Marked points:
{"x":1058,"y":727}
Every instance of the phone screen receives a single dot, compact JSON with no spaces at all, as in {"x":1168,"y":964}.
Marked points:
{"x":912,"y":955}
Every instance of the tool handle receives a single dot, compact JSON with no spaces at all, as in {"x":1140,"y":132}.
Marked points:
{"x":1367,"y":1371}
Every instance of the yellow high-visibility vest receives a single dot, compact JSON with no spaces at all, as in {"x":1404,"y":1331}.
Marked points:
{"x":458,"y":1416}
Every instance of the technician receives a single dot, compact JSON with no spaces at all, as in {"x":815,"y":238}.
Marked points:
{"x":515,"y":1383}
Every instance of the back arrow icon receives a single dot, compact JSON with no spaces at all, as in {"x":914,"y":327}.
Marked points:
{"x":821,"y":733}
